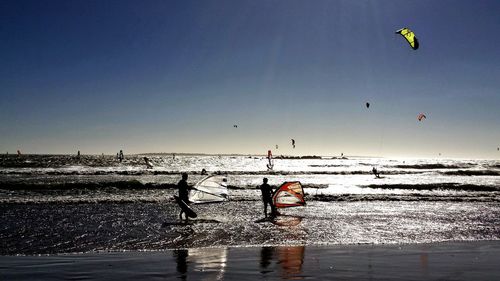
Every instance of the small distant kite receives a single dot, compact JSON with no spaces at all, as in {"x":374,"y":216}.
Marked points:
{"x":293,"y":143}
{"x":421,"y":116}
{"x":367,"y":105}
{"x":235,"y":126}
{"x":409,"y":36}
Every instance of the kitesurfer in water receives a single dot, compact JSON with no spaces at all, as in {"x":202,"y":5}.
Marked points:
{"x":267,"y":192}
{"x":148,"y":163}
{"x":120,"y":156}
{"x":375,"y":172}
{"x":184,"y":192}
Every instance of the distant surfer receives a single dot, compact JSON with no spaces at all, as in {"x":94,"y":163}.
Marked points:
{"x":184,"y":193}
{"x":204,"y":172}
{"x":267,"y":194}
{"x":18,"y":152}
{"x":78,"y":154}
{"x":148,"y":163}
{"x":375,"y":172}
{"x":120,"y":156}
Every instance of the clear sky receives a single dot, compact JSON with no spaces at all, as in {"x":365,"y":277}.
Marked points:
{"x":175,"y":76}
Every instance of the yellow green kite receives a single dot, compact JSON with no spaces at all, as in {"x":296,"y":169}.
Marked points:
{"x":409,"y":36}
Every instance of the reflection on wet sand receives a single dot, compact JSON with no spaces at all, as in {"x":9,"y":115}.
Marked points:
{"x":287,"y":220}
{"x":210,"y":261}
{"x":181,"y":260}
{"x":289,"y":258}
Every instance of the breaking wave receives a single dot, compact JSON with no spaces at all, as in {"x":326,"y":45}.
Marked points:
{"x":404,"y":197}
{"x":472,"y":173}
{"x":428,"y":166}
{"x":436,"y":186}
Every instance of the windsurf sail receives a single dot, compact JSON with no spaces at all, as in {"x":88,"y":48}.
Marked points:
{"x":211,"y":189}
{"x":270,"y":164}
{"x":289,"y":194}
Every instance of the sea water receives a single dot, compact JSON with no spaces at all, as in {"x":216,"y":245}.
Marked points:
{"x":62,"y":203}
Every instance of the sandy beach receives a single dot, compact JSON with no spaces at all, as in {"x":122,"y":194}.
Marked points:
{"x":434,"y":261}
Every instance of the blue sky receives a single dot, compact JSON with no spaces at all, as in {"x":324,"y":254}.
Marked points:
{"x":174,"y":76}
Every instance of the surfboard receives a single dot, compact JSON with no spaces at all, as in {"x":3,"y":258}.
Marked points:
{"x":185,"y":207}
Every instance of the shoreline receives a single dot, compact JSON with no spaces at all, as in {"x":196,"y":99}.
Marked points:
{"x":457,"y":260}
{"x":313,"y":245}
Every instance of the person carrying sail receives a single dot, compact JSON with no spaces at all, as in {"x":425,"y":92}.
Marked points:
{"x":267,"y":197}
{"x":184,"y":192}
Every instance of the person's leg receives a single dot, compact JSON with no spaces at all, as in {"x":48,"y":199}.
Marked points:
{"x":273,"y":209}
{"x":265,"y":209}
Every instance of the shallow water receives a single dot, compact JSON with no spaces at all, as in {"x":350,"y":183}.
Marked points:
{"x":66,"y":228}
{"x":60,"y":204}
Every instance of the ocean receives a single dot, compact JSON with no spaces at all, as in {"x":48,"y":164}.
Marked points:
{"x":53,"y":204}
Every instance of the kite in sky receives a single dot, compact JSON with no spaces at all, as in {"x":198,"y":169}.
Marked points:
{"x":409,"y":36}
{"x":421,"y":116}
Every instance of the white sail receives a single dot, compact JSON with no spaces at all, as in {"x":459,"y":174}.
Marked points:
{"x":209,"y":190}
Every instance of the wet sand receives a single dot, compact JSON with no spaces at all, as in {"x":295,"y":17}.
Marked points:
{"x":436,"y":261}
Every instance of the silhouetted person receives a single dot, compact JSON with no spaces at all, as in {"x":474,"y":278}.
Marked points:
{"x":204,"y":172}
{"x":267,"y":193}
{"x":375,"y":172}
{"x":78,"y":154}
{"x":148,"y":164}
{"x":184,"y":193}
{"x":18,"y":152}
{"x":120,"y":156}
